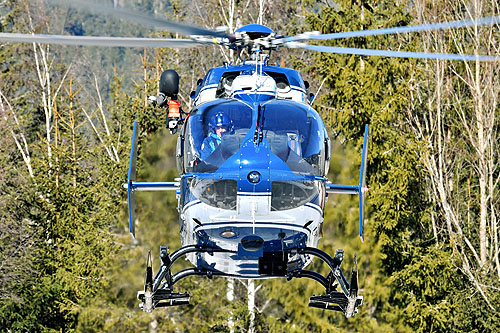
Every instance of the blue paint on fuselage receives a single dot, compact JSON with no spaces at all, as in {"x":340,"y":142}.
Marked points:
{"x":276,"y":138}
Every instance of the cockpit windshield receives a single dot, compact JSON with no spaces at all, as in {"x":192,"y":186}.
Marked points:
{"x":214,"y":132}
{"x":296,"y":135}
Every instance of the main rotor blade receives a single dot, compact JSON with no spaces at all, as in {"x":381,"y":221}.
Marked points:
{"x":143,"y":19}
{"x":394,"y":54}
{"x":397,"y":30}
{"x":102,"y":41}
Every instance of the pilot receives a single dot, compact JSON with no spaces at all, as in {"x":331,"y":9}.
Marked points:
{"x":219,"y":125}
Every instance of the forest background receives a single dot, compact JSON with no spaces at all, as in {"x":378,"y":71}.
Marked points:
{"x":430,"y":260}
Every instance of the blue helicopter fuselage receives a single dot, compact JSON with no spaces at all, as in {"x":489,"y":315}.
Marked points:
{"x":261,"y":189}
{"x":252,"y":157}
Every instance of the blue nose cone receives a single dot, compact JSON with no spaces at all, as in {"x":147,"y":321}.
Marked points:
{"x":254,"y":167}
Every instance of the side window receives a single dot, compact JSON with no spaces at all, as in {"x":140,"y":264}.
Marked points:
{"x":199,"y":84}
{"x":189,"y":151}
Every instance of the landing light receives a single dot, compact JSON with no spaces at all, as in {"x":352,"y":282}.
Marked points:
{"x":228,"y":233}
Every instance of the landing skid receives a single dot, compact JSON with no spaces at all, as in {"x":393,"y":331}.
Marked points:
{"x":158,"y":292}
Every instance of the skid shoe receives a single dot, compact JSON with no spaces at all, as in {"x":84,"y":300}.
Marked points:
{"x":159,"y":291}
{"x":346,"y":301}
{"x":153,"y":296}
{"x":161,"y":298}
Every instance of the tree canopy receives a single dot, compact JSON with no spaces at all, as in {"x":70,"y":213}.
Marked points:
{"x":430,"y":259}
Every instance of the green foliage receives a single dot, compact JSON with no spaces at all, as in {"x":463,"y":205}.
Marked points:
{"x":472,"y":313}
{"x":60,"y":204}
{"x":68,"y":262}
{"x":70,"y":208}
{"x":424,"y":289}
{"x":374,"y":90}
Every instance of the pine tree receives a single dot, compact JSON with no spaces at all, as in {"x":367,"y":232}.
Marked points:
{"x":57,"y":193}
{"x":360,"y":90}
{"x":426,"y":291}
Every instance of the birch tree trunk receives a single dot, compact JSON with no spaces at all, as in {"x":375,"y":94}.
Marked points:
{"x":230,"y":298}
{"x":454,"y":112}
{"x":251,"y":304}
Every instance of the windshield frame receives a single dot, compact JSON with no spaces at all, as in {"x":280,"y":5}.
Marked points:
{"x":201,"y":136}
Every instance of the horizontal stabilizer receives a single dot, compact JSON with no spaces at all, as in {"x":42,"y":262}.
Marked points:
{"x":342,"y":189}
{"x":153,"y":186}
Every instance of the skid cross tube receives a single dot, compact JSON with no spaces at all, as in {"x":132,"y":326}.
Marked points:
{"x":208,"y":273}
{"x":333,"y":263}
{"x":157,"y":294}
{"x":199,"y":272}
{"x":310,"y":275}
{"x":168,"y":261}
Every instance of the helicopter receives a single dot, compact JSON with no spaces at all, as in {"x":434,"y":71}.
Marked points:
{"x":252,"y":156}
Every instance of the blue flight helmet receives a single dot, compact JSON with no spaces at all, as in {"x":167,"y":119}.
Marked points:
{"x":221,"y":120}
